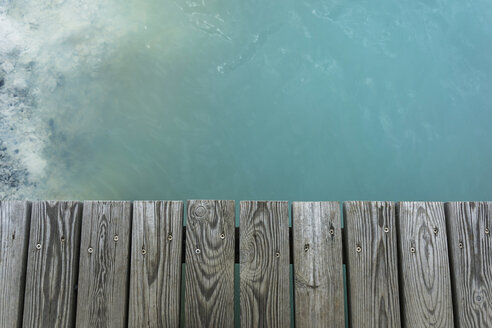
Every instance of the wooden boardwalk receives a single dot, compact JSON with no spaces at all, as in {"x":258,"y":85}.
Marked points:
{"x":120,"y":264}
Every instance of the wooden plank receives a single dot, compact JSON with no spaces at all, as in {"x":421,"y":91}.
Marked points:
{"x":155,"y":277}
{"x":318,"y":267}
{"x":372,"y":268}
{"x":15,"y":218}
{"x":424,"y":265}
{"x":53,"y":258}
{"x":470,"y":248}
{"x":104,"y":264}
{"x":264,"y":264}
{"x":209,"y":285}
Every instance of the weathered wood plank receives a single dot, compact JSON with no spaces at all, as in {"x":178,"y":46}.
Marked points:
{"x":424,"y":265}
{"x":470,"y":248}
{"x":209,"y":285}
{"x":15,"y":219}
{"x":264,"y":264}
{"x":155,"y":277}
{"x":318,"y":267}
{"x":104,"y":264}
{"x":53,"y":258}
{"x":372,"y":267}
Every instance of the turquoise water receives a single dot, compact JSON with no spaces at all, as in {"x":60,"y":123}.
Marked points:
{"x":295,"y":100}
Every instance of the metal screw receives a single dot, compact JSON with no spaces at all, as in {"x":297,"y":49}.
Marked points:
{"x":222,"y":236}
{"x":412,"y":249}
{"x":332,"y":231}
{"x":169,"y":237}
{"x":460,"y":244}
{"x":38,"y":246}
{"x":487,"y":231}
{"x":144,"y":251}
{"x":358,"y":249}
{"x":197,"y":251}
{"x":277,"y":254}
{"x":306,"y":247}
{"x":116,"y":238}
{"x":436,"y":231}
{"x":90,"y":250}
{"x":386,"y":229}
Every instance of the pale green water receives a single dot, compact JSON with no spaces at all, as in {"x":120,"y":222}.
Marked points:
{"x":295,"y":100}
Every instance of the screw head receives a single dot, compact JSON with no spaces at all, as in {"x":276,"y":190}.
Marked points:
{"x":386,"y":229}
{"x":277,"y":254}
{"x":116,"y":238}
{"x":198,"y":251}
{"x":358,"y":249}
{"x":170,"y":237}
{"x":306,"y":247}
{"x":487,"y":231}
{"x":222,"y":236}
{"x":412,"y":249}
{"x":332,"y":231}
{"x":144,"y":251}
{"x":460,"y":244}
{"x":90,"y":250}
{"x":38,"y":246}
{"x":436,"y":231}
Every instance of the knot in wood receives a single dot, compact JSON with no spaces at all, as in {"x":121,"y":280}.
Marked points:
{"x":200,"y":211}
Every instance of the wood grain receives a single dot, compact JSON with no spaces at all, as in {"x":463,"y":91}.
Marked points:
{"x":52,"y":264}
{"x":15,"y":219}
{"x":470,"y":249}
{"x":104,"y":265}
{"x":155,"y":277}
{"x":209,"y":285}
{"x":425,"y":292}
{"x":264,"y":264}
{"x":318,"y":267}
{"x":372,"y":267}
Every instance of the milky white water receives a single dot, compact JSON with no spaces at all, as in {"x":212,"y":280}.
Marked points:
{"x":296,"y":100}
